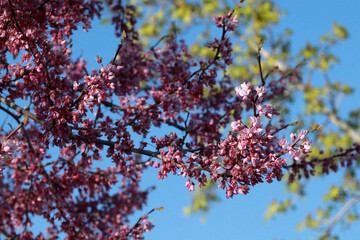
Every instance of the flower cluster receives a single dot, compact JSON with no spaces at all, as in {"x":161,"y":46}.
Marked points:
{"x":228,"y":22}
{"x":3,"y":162}
{"x":7,"y":148}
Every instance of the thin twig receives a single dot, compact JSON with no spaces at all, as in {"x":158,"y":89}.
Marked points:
{"x":139,"y":220}
{"x":14,"y":131}
{"x":259,"y":62}
{"x":119,"y":47}
{"x":343,"y":154}
{"x":117,"y":52}
{"x":158,"y":42}
{"x":21,"y":124}
{"x":254,"y":99}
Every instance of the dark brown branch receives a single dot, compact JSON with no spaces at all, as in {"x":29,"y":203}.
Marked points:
{"x":119,"y":47}
{"x":21,"y":125}
{"x":16,"y":21}
{"x":254,"y":99}
{"x":117,"y":52}
{"x":139,"y":220}
{"x":14,"y":131}
{"x":302,"y":164}
{"x":112,"y":144}
{"x":158,"y":42}
{"x":259,"y":63}
{"x":6,"y":234}
{"x":20,"y":110}
{"x":285,"y":126}
{"x":113,"y":106}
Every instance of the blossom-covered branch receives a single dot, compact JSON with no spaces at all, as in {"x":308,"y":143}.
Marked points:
{"x":218,"y":131}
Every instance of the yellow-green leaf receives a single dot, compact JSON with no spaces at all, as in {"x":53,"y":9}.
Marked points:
{"x":340,"y":31}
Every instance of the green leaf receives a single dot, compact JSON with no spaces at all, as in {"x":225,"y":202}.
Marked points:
{"x":288,"y":32}
{"x":312,"y":223}
{"x":347,"y":89}
{"x":160,"y":209}
{"x":294,"y":186}
{"x":187,"y":211}
{"x":183,"y":13}
{"x":332,"y":194}
{"x":324,"y":64}
{"x":277,"y":207}
{"x":271,"y":210}
{"x":202,"y":198}
{"x":309,"y":51}
{"x":352,"y":217}
{"x":210,"y":6}
{"x":315,"y":128}
{"x":105,"y":21}
{"x":340,"y":31}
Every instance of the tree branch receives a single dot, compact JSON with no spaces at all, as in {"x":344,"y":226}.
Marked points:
{"x":21,"y":125}
{"x":266,"y":54}
{"x":316,"y":160}
{"x":341,"y":124}
{"x":340,"y":214}
{"x":20,"y":110}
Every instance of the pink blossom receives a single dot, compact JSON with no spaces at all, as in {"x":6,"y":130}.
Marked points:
{"x":98,"y":59}
{"x":237,"y":126}
{"x":9,"y":146}
{"x":219,"y":21}
{"x":306,"y":147}
{"x":232,"y":23}
{"x":244,"y":90}
{"x":3,"y":162}
{"x":190,"y":185}
{"x":302,"y":134}
{"x":260,"y":91}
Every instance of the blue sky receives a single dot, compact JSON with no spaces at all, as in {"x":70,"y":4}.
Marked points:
{"x":242,"y":216}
